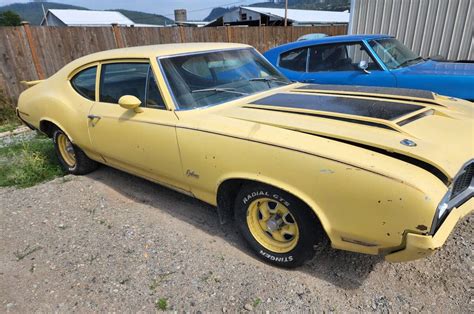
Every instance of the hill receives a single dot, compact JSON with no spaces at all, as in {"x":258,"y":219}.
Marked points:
{"x":33,"y":13}
{"x":217,"y":12}
{"x":333,"y":5}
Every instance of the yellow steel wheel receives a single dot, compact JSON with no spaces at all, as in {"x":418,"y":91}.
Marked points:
{"x":66,"y":150}
{"x":272,"y":225}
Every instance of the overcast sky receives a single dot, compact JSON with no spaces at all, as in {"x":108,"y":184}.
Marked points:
{"x":197,"y":9}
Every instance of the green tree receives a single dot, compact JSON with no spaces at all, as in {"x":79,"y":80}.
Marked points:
{"x":9,"y":18}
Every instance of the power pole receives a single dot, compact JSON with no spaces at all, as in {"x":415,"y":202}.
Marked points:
{"x":286,"y":12}
{"x":44,"y":15}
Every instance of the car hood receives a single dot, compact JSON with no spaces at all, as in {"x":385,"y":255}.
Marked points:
{"x":422,"y":129}
{"x":431,"y":67}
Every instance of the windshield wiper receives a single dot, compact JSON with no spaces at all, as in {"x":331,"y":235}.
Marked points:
{"x":406,"y":62}
{"x":218,"y":90}
{"x":268,"y":80}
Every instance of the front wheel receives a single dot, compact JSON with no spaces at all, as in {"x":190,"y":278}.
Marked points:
{"x":279,"y":228}
{"x":72,"y":158}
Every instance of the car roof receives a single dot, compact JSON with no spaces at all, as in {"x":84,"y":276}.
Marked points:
{"x":152,"y":51}
{"x":329,"y":40}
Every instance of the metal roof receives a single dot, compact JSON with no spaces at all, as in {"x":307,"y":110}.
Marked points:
{"x":89,"y":17}
{"x":304,"y":16}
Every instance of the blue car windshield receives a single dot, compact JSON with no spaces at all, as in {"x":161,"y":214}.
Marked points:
{"x":211,"y":78}
{"x":393,"y":53}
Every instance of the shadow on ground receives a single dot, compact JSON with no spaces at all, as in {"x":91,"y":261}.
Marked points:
{"x":344,"y":269}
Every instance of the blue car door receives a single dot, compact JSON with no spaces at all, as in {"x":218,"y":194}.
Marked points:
{"x":339,"y":64}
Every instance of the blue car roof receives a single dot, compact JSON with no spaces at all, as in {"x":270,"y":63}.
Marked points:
{"x":329,"y":40}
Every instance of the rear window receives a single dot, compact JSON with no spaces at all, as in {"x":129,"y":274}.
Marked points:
{"x":84,"y":82}
{"x":294,"y":60}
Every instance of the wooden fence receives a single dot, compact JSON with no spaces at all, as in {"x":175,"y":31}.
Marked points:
{"x":34,"y":52}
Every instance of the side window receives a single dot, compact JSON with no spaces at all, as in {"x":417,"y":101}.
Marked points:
{"x":119,"y":79}
{"x":294,"y":60}
{"x":153,"y":95}
{"x":84,"y":82}
{"x":339,"y":57}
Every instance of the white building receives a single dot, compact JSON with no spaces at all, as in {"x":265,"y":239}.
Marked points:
{"x":59,"y":17}
{"x":274,"y":16}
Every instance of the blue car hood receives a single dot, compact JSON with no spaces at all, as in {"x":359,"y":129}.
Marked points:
{"x":431,"y":67}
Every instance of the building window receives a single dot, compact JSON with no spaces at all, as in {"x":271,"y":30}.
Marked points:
{"x":243,"y":16}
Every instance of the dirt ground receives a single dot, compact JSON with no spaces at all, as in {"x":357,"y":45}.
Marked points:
{"x":113,"y":242}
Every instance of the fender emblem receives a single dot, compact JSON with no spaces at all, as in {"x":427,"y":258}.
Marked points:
{"x":191,"y":173}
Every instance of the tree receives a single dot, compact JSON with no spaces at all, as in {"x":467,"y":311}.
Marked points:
{"x":9,"y":18}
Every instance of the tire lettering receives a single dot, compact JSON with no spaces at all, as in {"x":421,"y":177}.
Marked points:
{"x":285,"y":259}
{"x":255,"y":194}
{"x":281,"y":200}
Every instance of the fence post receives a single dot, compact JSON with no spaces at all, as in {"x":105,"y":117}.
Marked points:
{"x":117,"y":36}
{"x":34,"y":54}
{"x":229,"y":34}
{"x":181,"y":34}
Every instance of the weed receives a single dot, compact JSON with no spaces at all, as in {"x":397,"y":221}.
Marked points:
{"x":161,"y":304}
{"x":256,"y":302}
{"x":156,"y":281}
{"x":27,"y":251}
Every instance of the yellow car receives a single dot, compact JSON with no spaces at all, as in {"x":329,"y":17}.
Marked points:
{"x":376,"y":170}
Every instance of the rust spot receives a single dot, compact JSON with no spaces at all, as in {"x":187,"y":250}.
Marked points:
{"x":422,"y":227}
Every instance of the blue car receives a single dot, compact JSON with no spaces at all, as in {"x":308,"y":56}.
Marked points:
{"x":371,"y":60}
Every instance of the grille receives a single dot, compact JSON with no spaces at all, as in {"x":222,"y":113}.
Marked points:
{"x":463,"y":181}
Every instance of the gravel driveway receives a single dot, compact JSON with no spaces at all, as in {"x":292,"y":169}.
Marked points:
{"x":113,"y":242}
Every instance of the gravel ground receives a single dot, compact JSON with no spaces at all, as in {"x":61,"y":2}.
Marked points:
{"x":113,"y":242}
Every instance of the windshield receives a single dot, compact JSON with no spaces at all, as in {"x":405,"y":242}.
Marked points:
{"x":393,"y":53}
{"x":211,"y":78}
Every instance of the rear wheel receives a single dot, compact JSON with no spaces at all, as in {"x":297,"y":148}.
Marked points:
{"x":72,"y":158}
{"x":278,"y":227}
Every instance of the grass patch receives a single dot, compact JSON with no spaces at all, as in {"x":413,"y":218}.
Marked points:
{"x":161,"y":304}
{"x":9,"y":126}
{"x":27,"y":163}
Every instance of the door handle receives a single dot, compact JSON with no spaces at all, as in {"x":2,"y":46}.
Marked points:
{"x":93,"y":118}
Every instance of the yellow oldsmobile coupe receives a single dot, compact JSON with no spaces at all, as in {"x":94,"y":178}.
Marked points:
{"x":376,"y":170}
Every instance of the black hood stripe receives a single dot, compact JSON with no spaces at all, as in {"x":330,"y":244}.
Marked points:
{"x":385,"y":110}
{"x":418,"y":93}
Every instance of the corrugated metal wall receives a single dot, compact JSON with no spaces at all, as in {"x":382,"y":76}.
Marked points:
{"x":428,"y":27}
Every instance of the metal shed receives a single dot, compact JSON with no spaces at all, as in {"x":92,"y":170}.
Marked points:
{"x":429,"y":27}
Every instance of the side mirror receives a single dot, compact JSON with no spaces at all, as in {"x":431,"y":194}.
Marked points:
{"x":364,"y":65}
{"x":130,"y":102}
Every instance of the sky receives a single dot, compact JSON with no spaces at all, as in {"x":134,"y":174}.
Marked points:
{"x":197,"y":9}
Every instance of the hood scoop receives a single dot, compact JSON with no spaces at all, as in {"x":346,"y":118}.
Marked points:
{"x":371,"y":112}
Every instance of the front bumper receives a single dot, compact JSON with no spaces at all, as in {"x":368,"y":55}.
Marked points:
{"x":419,"y":246}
